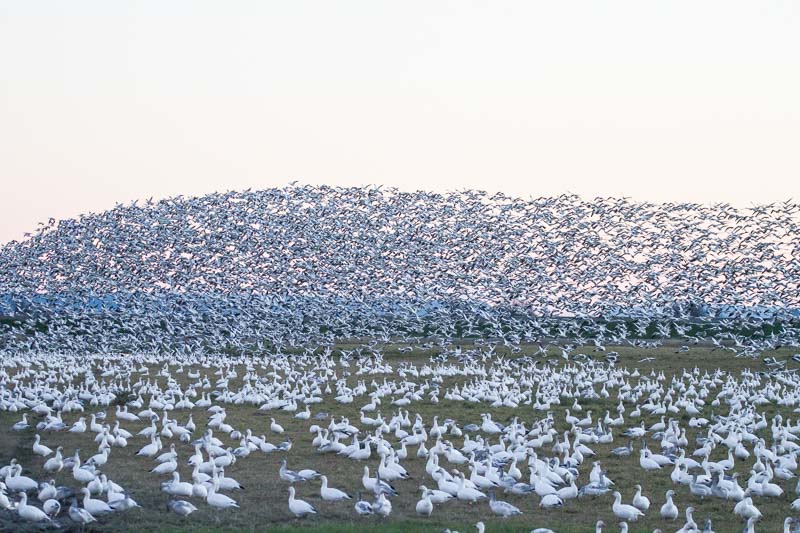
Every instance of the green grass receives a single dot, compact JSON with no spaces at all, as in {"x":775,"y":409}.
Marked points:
{"x":264,"y":502}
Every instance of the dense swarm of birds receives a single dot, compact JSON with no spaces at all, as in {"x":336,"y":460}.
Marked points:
{"x":301,"y":264}
{"x":119,"y":327}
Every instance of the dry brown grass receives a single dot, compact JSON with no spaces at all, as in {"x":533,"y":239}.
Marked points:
{"x":264,"y":505}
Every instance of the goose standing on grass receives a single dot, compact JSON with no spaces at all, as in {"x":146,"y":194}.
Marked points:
{"x":121,"y":501}
{"x":54,"y":464}
{"x":468,"y":494}
{"x":299,"y":508}
{"x":437,"y":496}
{"x":330,"y":494}
{"x":40,"y":449}
{"x":501,"y":508}
{"x":382,"y":505}
{"x":22,"y":425}
{"x":47,"y":490}
{"x":95,"y":507}
{"x":376,"y":484}
{"x":289,"y":475}
{"x":29,"y":512}
{"x":362,"y":507}
{"x":624,"y":511}
{"x":551,"y":501}
{"x":19,"y":483}
{"x":639,"y":501}
{"x":216,"y":500}
{"x":424,"y":505}
{"x":690,"y":526}
{"x":181,"y":507}
{"x":669,"y":511}
{"x":167,"y":467}
{"x":79,"y":515}
{"x":5,"y":503}
{"x":176,"y":487}
{"x":51,"y":508}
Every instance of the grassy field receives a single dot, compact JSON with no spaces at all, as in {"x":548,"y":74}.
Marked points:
{"x":264,"y":500}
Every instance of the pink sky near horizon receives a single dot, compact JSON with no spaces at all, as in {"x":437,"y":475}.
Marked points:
{"x":104,"y":102}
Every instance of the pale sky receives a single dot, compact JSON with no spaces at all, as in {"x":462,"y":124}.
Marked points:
{"x":109,"y":101}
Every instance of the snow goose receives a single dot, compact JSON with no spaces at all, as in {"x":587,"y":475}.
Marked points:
{"x":40,"y":449}
{"x":47,"y":490}
{"x":94,"y":506}
{"x":625,"y":511}
{"x":289,"y":475}
{"x":29,"y":512}
{"x":121,"y":501}
{"x":216,"y":500}
{"x":551,"y":501}
{"x":690,"y":526}
{"x":376,"y":484}
{"x":168,"y":455}
{"x":226,"y":483}
{"x":167,"y":467}
{"x":51,"y":508}
{"x":78,"y":515}
{"x":362,"y":507}
{"x":424,"y":506}
{"x":19,"y":483}
{"x":468,"y":494}
{"x":299,"y":508}
{"x":439,"y":496}
{"x":501,"y":508}
{"x":647,"y":463}
{"x":669,"y":511}
{"x":81,"y":474}
{"x":331,"y":494}
{"x":275,"y":427}
{"x":54,"y":464}
{"x":150,"y":450}
{"x":21,"y":425}
{"x":176,"y":487}
{"x":382,"y":505}
{"x":181,"y":507}
{"x":5,"y":503}
{"x":12,"y":465}
{"x":639,"y":501}
{"x":746,"y":509}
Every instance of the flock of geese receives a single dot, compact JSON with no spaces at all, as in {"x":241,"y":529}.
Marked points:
{"x":260,"y":271}
{"x":145,"y":326}
{"x":174,"y":412}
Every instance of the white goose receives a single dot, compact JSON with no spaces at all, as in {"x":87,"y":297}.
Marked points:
{"x":330,"y":494}
{"x":93,"y":506}
{"x":669,"y":511}
{"x":29,"y":512}
{"x":40,"y":449}
{"x":501,"y":508}
{"x":639,"y":501}
{"x":54,"y":464}
{"x":424,"y":506}
{"x":176,"y":487}
{"x":216,"y":500}
{"x":16,"y":482}
{"x":299,"y":508}
{"x":468,"y":494}
{"x":625,"y":511}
